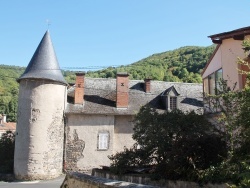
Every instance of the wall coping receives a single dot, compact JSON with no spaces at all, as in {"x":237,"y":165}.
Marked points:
{"x":97,"y":182}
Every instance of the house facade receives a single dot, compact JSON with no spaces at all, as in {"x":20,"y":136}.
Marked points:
{"x":101,"y":120}
{"x":76,"y":128}
{"x":222,"y":63}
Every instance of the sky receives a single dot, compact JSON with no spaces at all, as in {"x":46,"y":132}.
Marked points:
{"x":101,"y":33}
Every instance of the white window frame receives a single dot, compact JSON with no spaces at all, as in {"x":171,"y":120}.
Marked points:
{"x":103,"y":141}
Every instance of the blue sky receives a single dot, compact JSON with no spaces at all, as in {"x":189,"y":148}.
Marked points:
{"x":102,"y":33}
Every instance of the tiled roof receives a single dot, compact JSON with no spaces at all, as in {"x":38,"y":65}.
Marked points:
{"x":8,"y":126}
{"x":100,"y":96}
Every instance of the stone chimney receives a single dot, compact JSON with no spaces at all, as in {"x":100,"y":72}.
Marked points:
{"x":147,"y":83}
{"x":122,"y":96}
{"x":79,"y":88}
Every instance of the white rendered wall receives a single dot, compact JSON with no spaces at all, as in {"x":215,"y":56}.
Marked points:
{"x":123,"y":133}
{"x":214,"y":65}
{"x":40,"y":130}
{"x":231,"y":49}
{"x":82,"y":141}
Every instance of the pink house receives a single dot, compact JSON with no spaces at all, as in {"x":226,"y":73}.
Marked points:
{"x":222,"y":63}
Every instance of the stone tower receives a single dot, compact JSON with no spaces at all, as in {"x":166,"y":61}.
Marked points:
{"x":40,"y":125}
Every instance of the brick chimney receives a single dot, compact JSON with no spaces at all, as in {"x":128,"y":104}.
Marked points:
{"x":79,"y":88}
{"x":122,"y":90}
{"x":147,"y":83}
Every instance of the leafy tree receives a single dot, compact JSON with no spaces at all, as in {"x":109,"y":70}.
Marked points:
{"x":179,"y":145}
{"x":233,"y":108}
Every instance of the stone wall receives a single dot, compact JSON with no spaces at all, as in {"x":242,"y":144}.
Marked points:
{"x":81,"y":149}
{"x":142,"y":179}
{"x":82,"y":131}
{"x":40,"y":130}
{"x":74,"y":180}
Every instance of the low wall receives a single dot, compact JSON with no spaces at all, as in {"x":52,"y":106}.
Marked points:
{"x":140,"y":179}
{"x":77,"y":180}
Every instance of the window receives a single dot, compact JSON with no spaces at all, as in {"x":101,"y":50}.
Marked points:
{"x":218,"y":78}
{"x":212,"y":82}
{"x":173,"y":103}
{"x":103,"y":141}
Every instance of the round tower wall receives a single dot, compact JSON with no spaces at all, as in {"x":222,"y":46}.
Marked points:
{"x":40,"y":130}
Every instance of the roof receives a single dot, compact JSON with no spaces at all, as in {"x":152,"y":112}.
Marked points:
{"x":231,"y":34}
{"x":100,"y":96}
{"x":8,"y":126}
{"x":44,"y":64}
{"x":167,"y":91}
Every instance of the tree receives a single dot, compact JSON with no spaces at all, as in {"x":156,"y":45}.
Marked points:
{"x":233,"y":108}
{"x":178,"y":145}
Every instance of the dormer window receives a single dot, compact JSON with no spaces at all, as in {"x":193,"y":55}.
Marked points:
{"x":170,"y":98}
{"x":173,"y":103}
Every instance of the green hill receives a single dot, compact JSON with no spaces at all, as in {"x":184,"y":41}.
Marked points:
{"x":183,"y":65}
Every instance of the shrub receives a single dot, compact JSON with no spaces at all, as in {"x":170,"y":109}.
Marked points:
{"x":178,"y":145}
{"x":7,"y":145}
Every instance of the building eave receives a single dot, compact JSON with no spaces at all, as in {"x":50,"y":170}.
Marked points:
{"x":237,"y":34}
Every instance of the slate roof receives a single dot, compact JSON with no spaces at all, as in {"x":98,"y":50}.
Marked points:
{"x":100,"y":96}
{"x":172,"y":88}
{"x":44,"y":64}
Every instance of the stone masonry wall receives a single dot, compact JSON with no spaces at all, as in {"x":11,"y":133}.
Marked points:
{"x":74,"y":180}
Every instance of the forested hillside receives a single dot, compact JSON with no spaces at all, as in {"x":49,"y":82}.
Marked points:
{"x":9,"y":90}
{"x":182,"y":65}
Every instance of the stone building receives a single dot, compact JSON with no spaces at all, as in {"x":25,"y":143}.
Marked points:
{"x":77,"y":129}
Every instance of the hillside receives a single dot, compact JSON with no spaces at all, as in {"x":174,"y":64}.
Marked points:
{"x":183,"y":65}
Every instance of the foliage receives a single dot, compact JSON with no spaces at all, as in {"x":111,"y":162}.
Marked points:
{"x":234,"y":108}
{"x":226,"y":103}
{"x":9,"y":90}
{"x":7,"y":145}
{"x":179,"y":145}
{"x":181,"y":65}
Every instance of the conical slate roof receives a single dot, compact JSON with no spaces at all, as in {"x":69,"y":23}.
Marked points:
{"x":43,"y":64}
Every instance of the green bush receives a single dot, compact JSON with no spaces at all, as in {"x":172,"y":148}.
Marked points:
{"x":177,"y":145}
{"x":7,"y":146}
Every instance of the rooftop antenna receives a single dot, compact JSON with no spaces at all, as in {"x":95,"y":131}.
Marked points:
{"x":48,"y":23}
